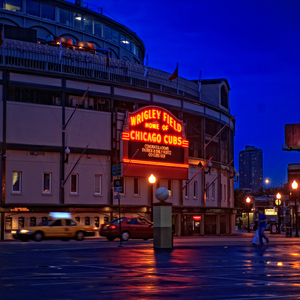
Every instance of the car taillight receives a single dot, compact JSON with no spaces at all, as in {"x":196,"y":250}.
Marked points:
{"x":112,"y":227}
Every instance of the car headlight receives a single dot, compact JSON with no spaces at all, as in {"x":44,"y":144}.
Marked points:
{"x":25,"y":231}
{"x":13,"y":232}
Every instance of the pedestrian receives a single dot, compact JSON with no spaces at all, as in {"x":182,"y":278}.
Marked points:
{"x":261,"y":227}
{"x":256,"y":236}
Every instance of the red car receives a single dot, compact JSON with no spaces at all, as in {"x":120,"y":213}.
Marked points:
{"x":131,"y":227}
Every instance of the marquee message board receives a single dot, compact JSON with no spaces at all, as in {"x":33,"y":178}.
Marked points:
{"x":154,"y":137}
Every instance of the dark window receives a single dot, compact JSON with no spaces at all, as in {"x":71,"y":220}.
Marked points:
{"x":57,"y":223}
{"x":48,"y":12}
{"x":33,"y":8}
{"x":32,"y":221}
{"x":64,"y":17}
{"x":87,"y":221}
{"x":70,"y":222}
{"x":136,"y":186}
{"x":224,"y":97}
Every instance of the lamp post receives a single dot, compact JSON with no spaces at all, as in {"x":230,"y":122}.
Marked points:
{"x":295,"y":187}
{"x":248,"y":201}
{"x":151,"y":180}
{"x":278,"y":202}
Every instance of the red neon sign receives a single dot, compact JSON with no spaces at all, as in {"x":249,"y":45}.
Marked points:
{"x":152,"y":136}
{"x":197,"y":218}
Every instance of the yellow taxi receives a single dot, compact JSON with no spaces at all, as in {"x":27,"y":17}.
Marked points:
{"x":59,"y":226}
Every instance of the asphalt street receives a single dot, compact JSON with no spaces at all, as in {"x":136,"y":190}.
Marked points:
{"x":221,"y":267}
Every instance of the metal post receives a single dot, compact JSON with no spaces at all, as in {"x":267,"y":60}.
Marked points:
{"x":248,"y":222}
{"x":296,"y":214}
{"x":120,"y":229}
{"x":151,"y":199}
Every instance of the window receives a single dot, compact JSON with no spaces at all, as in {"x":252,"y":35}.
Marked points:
{"x":135,"y":186}
{"x":221,"y":194}
{"x":13,"y":5}
{"x":115,"y":37}
{"x":225,"y":192}
{"x":48,"y":11}
{"x":224,"y":97}
{"x":98,"y":184}
{"x":213,"y":192}
{"x":64,"y":17}
{"x":125,"y":42}
{"x":107,"y":33}
{"x":170,"y":187}
{"x":88,"y":25}
{"x":207,"y":190}
{"x":195,"y":189}
{"x":186,"y":190}
{"x":33,"y":8}
{"x":74,"y":184}
{"x":17,"y":182}
{"x":76,"y":22}
{"x":57,"y":223}
{"x":47,"y":183}
{"x":97,"y":28}
{"x":70,"y":222}
{"x":87,"y":221}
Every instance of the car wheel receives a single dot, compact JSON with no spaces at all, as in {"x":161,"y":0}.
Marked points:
{"x":110,"y":238}
{"x":125,"y":236}
{"x":80,"y":236}
{"x":38,"y":236}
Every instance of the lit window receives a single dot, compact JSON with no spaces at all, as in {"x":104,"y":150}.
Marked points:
{"x":98,"y":184}
{"x":13,"y":5}
{"x":17,"y":182}
{"x":136,"y":186}
{"x":76,"y":22}
{"x":46,"y":182}
{"x":74,"y":184}
{"x":170,"y":187}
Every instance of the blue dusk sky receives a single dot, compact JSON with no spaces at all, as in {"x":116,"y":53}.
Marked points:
{"x":254,"y":44}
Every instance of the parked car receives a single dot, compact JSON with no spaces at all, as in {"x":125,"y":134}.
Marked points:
{"x":131,"y":227}
{"x":58,"y":225}
{"x":251,"y":226}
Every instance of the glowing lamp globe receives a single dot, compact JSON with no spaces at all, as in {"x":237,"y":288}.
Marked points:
{"x":162,"y":194}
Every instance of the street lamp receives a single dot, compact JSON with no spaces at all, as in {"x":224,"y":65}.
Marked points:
{"x":278,"y":202}
{"x":151,"y":180}
{"x":269,"y":179}
{"x":295,"y":187}
{"x":248,"y":201}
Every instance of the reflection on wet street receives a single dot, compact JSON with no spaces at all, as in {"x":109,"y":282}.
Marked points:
{"x":100,"y":270}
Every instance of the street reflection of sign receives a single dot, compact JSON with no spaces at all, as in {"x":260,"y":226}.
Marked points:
{"x":153,"y":134}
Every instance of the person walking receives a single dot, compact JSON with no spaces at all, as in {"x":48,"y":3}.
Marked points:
{"x":261,"y":227}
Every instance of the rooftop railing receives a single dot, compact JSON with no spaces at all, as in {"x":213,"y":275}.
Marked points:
{"x":47,"y":58}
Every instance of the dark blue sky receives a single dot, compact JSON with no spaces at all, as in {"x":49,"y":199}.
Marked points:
{"x":254,"y":44}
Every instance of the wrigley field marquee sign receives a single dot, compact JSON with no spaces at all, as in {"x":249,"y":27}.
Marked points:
{"x":153,"y":136}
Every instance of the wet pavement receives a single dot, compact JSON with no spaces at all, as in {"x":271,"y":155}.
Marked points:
{"x":219,"y":267}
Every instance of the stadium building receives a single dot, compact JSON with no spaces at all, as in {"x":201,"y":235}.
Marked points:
{"x":79,"y":110}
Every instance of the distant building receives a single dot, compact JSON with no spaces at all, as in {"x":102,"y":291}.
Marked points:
{"x":251,"y":168}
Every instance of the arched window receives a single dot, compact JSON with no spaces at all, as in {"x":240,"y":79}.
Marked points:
{"x":224,"y":97}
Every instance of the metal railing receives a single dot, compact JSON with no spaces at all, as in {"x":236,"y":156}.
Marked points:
{"x":33,"y":56}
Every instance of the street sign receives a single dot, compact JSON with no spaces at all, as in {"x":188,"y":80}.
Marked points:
{"x":116,"y":170}
{"x":117,"y":196}
{"x":118,"y":185}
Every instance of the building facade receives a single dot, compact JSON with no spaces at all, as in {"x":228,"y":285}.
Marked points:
{"x":251,"y":168}
{"x":71,"y":82}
